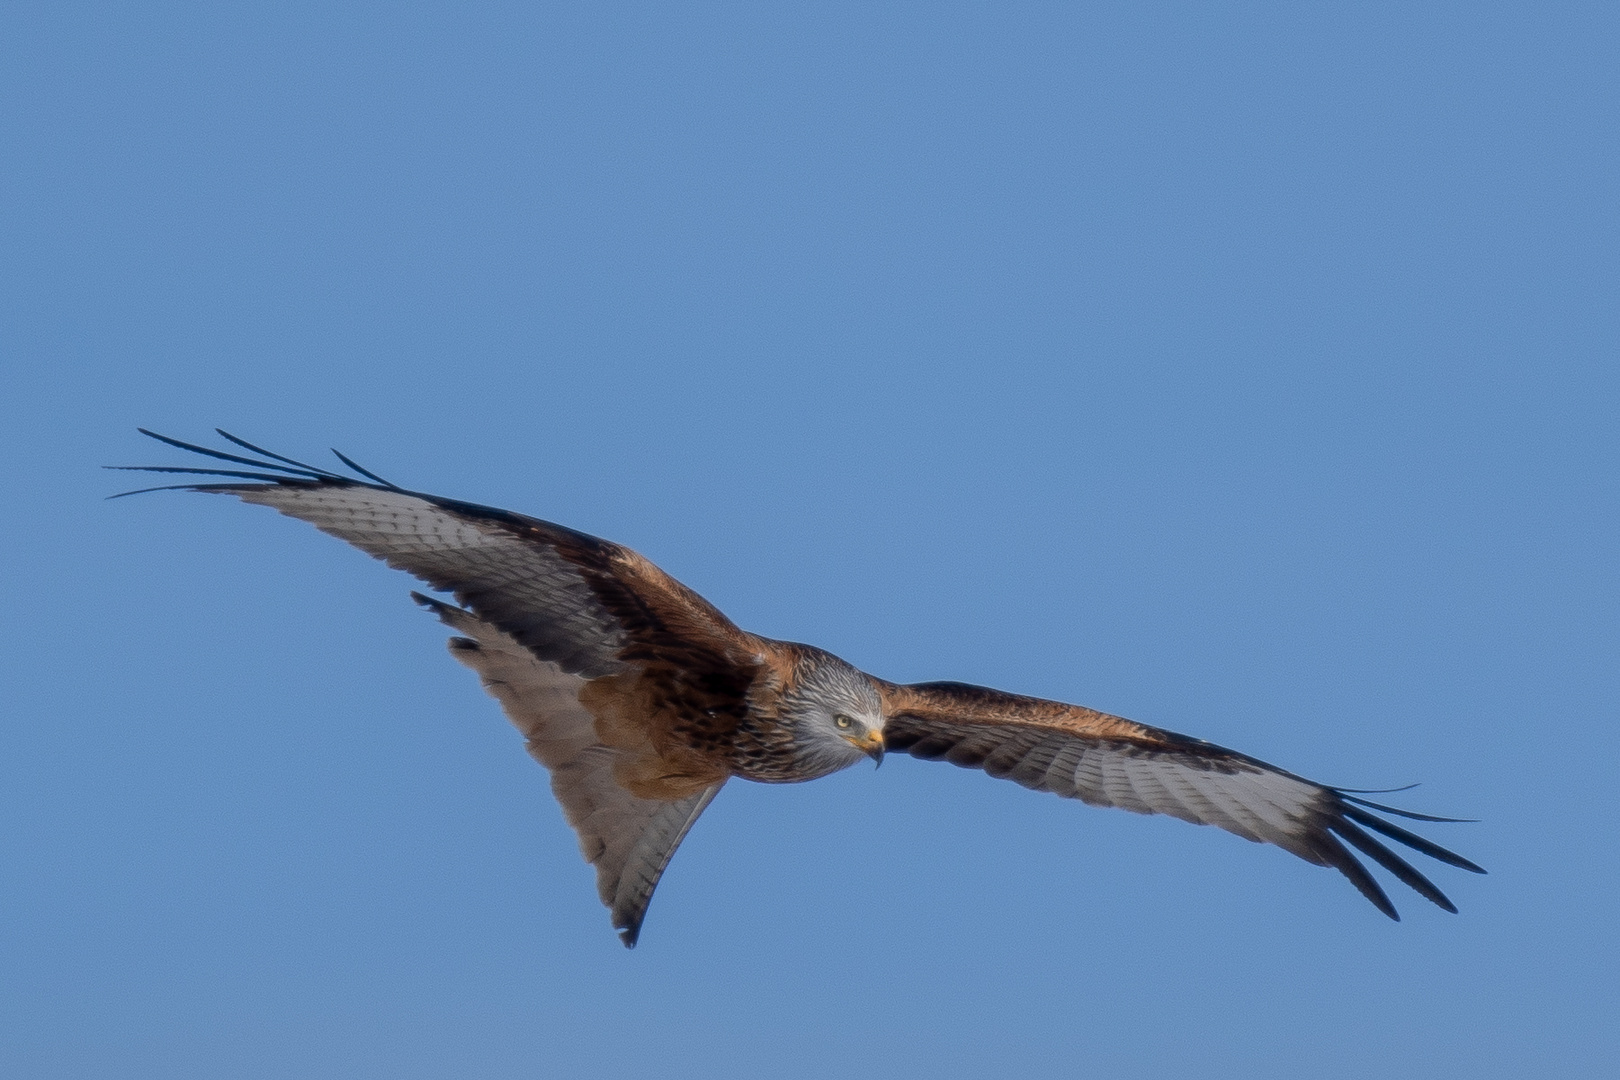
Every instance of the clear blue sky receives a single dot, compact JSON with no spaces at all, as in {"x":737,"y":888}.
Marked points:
{"x":1249,"y":370}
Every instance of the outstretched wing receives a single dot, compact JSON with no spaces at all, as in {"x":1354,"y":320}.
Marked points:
{"x":1110,"y":761}
{"x":627,"y":684}
{"x":627,"y":838}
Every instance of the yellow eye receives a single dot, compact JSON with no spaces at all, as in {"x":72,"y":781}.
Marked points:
{"x":843,"y":721}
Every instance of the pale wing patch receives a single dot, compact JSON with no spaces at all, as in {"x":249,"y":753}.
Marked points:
{"x":520,"y":584}
{"x":1254,"y":803}
{"x":1242,"y":797}
{"x":1107,"y":761}
{"x":629,"y":839}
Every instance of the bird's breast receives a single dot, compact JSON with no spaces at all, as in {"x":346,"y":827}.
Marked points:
{"x":765,"y":751}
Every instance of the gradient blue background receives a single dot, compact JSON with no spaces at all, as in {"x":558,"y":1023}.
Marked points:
{"x":1249,"y":370}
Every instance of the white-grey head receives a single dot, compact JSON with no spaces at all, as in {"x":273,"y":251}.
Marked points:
{"x":835,"y":713}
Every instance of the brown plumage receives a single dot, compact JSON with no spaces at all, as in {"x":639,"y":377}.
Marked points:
{"x":642,"y":699}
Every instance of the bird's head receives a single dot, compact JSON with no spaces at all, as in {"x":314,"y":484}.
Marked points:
{"x":835,"y":712}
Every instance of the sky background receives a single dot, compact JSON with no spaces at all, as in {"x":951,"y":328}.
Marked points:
{"x":1248,"y":370}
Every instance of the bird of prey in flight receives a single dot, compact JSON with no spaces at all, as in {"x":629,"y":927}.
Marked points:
{"x":642,"y":699}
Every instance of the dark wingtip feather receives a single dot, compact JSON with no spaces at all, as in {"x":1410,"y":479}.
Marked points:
{"x":305,"y":470}
{"x":1381,"y":808}
{"x":143,"y":491}
{"x":1338,"y":856}
{"x":1393,"y":863}
{"x":193,"y":471}
{"x":283,"y":470}
{"x":1411,"y":839}
{"x":367,"y":473}
{"x":244,"y":444}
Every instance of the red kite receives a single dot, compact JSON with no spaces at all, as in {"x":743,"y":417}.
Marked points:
{"x":642,"y":699}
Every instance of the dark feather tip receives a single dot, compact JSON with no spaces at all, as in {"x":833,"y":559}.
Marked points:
{"x":244,"y":444}
{"x":315,"y":474}
{"x":1404,"y":813}
{"x":367,"y":473}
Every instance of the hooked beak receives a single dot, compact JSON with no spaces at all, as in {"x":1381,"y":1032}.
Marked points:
{"x":871,"y":746}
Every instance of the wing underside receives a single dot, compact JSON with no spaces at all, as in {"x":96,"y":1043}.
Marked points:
{"x":1109,"y":761}
{"x":547,"y":611}
{"x":629,"y":839}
